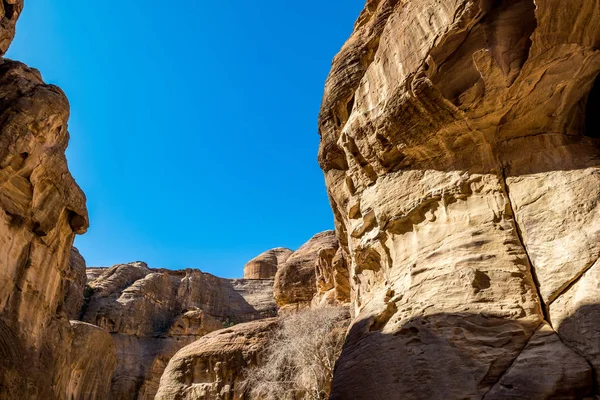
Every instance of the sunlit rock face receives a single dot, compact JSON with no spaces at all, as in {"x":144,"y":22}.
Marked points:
{"x":265,"y":265}
{"x":213,"y":367}
{"x":314,"y":275}
{"x":460,"y":145}
{"x":153,"y":313}
{"x":42,"y":355}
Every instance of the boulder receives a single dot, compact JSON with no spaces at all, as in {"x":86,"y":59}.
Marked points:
{"x":213,"y":367}
{"x":265,"y":265}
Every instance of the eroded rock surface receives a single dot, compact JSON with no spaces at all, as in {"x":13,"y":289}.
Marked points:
{"x":41,"y":210}
{"x":212,"y":367}
{"x":459,"y":142}
{"x":296,"y":279}
{"x":10,"y":10}
{"x":265,"y":265}
{"x":151,"y":314}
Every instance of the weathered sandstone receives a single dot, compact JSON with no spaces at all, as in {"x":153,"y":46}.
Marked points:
{"x":151,"y":314}
{"x":459,"y":142}
{"x":265,"y":265}
{"x":212,"y":367}
{"x":9,"y":13}
{"x":42,"y":355}
{"x":74,"y":281}
{"x":296,"y":280}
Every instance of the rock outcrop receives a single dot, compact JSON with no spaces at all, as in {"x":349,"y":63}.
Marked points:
{"x":265,"y":265}
{"x":212,"y":367}
{"x":74,"y":282}
{"x":151,"y":314}
{"x":459,"y":142}
{"x":42,"y":354}
{"x":10,"y":10}
{"x":296,"y":280}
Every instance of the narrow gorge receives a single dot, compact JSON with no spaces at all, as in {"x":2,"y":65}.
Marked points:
{"x":460,"y":145}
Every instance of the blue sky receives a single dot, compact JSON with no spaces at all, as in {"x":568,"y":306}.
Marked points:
{"x":193,"y":127}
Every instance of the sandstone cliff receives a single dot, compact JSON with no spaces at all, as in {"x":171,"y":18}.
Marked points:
{"x":313,"y":273}
{"x":215,"y":366}
{"x":42,"y":354}
{"x":459,"y":141}
{"x":151,"y":314}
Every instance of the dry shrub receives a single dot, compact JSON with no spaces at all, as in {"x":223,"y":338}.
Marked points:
{"x":298,"y":362}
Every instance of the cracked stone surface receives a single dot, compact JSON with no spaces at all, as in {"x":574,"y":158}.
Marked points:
{"x":460,"y":146}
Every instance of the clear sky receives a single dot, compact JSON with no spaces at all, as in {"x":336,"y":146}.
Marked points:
{"x":193,"y":123}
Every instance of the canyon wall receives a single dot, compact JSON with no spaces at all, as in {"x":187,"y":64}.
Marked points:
{"x":43,"y":355}
{"x":153,"y":313}
{"x":215,"y":366}
{"x":459,"y":142}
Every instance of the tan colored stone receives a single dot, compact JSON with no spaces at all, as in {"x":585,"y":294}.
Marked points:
{"x":74,"y":281}
{"x":464,"y":185}
{"x":265,"y":265}
{"x":152,"y":313}
{"x":10,"y":10}
{"x":576,"y":317}
{"x":213,"y":366}
{"x":92,"y":363}
{"x":295,"y":282}
{"x":545,"y":369}
{"x":41,"y":277}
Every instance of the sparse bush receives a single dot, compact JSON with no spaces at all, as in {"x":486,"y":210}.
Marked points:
{"x":299,"y":361}
{"x":228,"y":323}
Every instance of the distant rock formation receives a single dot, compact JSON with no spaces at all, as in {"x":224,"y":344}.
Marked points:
{"x":214,"y":366}
{"x":265,"y":265}
{"x":151,"y":314}
{"x":459,"y":141}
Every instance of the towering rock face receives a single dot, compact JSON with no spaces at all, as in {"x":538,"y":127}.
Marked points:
{"x":42,"y":354}
{"x":215,"y":366}
{"x":459,"y":142}
{"x":151,"y":314}
{"x":265,"y":265}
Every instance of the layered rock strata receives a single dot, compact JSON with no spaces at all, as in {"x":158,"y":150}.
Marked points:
{"x":151,"y":314}
{"x":459,"y":142}
{"x":215,"y":366}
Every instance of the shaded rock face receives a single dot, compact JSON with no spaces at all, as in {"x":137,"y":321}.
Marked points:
{"x":74,"y":282}
{"x":151,"y":314}
{"x":212,"y":367}
{"x":41,"y":210}
{"x":265,"y":265}
{"x":93,"y":361}
{"x":459,"y":142}
{"x":296,"y":280}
